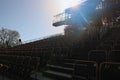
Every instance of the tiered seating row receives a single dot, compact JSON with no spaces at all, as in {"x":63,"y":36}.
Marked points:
{"x":20,"y":66}
{"x":53,"y":51}
{"x":57,"y":41}
{"x":102,"y":56}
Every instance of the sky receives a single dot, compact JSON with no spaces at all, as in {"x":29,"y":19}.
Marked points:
{"x":32,"y":18}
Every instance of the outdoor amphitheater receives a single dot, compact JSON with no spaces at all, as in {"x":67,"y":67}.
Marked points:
{"x":88,"y":49}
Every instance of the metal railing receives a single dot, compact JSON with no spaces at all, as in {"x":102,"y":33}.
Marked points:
{"x":61,"y":17}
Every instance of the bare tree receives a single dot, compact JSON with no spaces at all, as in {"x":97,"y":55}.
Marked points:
{"x":8,"y":38}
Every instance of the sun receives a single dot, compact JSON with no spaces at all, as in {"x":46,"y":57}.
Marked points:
{"x":73,"y":2}
{"x":70,"y":3}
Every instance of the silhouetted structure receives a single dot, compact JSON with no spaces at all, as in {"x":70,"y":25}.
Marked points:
{"x":97,"y":12}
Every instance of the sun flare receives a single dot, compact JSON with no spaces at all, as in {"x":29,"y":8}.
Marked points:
{"x":70,"y":3}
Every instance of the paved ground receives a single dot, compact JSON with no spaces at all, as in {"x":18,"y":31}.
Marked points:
{"x":2,"y":77}
{"x":37,"y":76}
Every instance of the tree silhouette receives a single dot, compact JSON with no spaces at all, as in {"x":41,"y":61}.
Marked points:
{"x":8,"y":38}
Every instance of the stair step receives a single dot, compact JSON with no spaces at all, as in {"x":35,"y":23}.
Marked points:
{"x":79,"y":78}
{"x":60,"y":67}
{"x":57,"y":75}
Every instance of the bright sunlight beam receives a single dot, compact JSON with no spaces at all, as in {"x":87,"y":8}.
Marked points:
{"x":70,"y":3}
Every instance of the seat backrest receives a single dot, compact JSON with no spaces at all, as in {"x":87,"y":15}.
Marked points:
{"x":97,"y":55}
{"x":106,"y":47}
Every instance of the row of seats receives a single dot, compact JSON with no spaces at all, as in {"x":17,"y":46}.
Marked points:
{"x":109,"y":45}
{"x":21,"y":60}
{"x":103,"y":56}
{"x":38,"y":52}
{"x":20,"y":66}
{"x":45,"y":54}
{"x":57,"y":41}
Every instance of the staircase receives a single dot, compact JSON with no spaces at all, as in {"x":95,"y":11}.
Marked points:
{"x":71,"y":69}
{"x":60,"y":69}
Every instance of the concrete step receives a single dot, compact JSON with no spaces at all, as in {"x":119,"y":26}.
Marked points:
{"x":65,"y":63}
{"x":62,"y":69}
{"x":57,"y":75}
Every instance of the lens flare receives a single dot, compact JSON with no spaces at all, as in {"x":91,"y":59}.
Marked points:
{"x":63,"y":4}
